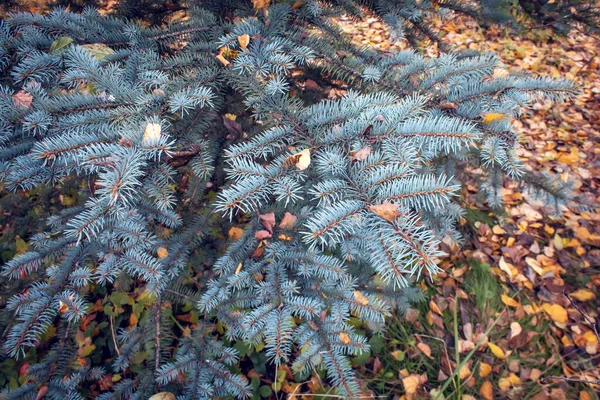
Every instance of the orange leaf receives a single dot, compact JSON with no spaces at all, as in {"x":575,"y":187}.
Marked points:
{"x":425,"y":349}
{"x":484,"y":369}
{"x":487,"y":391}
{"x":235,"y":233}
{"x":162,"y":252}
{"x":260,"y":4}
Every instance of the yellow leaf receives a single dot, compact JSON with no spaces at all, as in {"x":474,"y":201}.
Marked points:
{"x":243,"y":40}
{"x":509,"y":301}
{"x":238,"y":269}
{"x":223,"y":60}
{"x":304,"y":160}
{"x":361,"y":298}
{"x":484,"y":369}
{"x":497,"y":229}
{"x":411,"y":384}
{"x":345,"y":338}
{"x":162,"y":252}
{"x":583,"y":295}
{"x":151,"y":133}
{"x":496,"y":350}
{"x":507,"y":382}
{"x":508,"y":268}
{"x":556,"y":312}
{"x":490,"y":118}
{"x":235,"y":233}
{"x":230,"y":116}
{"x":387,"y":211}
{"x":487,"y":391}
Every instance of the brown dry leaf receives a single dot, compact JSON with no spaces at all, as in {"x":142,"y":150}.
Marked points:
{"x":235,"y":233}
{"x":362,"y":154}
{"x":361,"y":298}
{"x":584,"y":396}
{"x":486,"y":390}
{"x":496,"y":350}
{"x":41,"y":393}
{"x":497,"y":229}
{"x":22,"y":99}
{"x":62,"y":307}
{"x":268,"y":221}
{"x":162,"y":252}
{"x":583,"y":295}
{"x":288,"y":221}
{"x":297,"y":4}
{"x":387,"y":211}
{"x":244,"y":40}
{"x":425,"y":349}
{"x":484,"y":369}
{"x":556,"y":312}
{"x":345,"y":338}
{"x":434,"y":307}
{"x":262,"y":234}
{"x":223,"y":60}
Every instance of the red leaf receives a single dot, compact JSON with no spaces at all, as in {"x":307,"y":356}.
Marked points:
{"x":268,"y":221}
{"x":23,"y":100}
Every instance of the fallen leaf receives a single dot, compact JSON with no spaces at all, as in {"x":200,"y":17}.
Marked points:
{"x":412,"y":383}
{"x":583,"y":295}
{"x":387,"y":211}
{"x":260,"y":4}
{"x":238,"y":269}
{"x":362,"y":154}
{"x":497,"y":229}
{"x":515,"y":329}
{"x":464,"y":372}
{"x":235,"y":233}
{"x":98,"y":50}
{"x":509,"y":301}
{"x":163,"y":396}
{"x":151,"y":134}
{"x":486,"y":390}
{"x":490,"y":118}
{"x":223,"y":60}
{"x":22,"y":99}
{"x":496,"y":350}
{"x":425,"y":349}
{"x":484,"y":369}
{"x":262,"y":234}
{"x":162,"y":252}
{"x":361,"y":298}
{"x":507,"y":382}
{"x":288,"y":221}
{"x":60,"y":43}
{"x":268,"y":221}
{"x":244,"y":40}
{"x":42,"y":392}
{"x":556,"y":312}
{"x":304,"y":159}
{"x":345,"y":338}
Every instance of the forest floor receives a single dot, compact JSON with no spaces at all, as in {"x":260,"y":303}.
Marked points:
{"x":527,"y":277}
